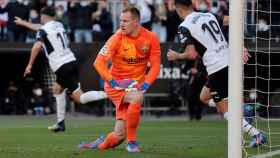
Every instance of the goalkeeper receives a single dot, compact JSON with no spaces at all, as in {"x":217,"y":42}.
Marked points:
{"x":131,"y":50}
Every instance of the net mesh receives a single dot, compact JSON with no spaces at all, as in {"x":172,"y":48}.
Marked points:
{"x":261,"y":74}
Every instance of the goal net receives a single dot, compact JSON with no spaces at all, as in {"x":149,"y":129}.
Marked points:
{"x":262,"y":75}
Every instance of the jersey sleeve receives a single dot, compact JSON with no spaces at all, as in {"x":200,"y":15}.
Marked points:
{"x":104,"y":57}
{"x":41,"y":35}
{"x":185,"y":36}
{"x":155,"y":57}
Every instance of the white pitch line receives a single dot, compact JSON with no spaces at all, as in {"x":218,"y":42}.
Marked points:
{"x":266,"y":155}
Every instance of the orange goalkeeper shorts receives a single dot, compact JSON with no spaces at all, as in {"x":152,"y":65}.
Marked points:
{"x":116,"y":96}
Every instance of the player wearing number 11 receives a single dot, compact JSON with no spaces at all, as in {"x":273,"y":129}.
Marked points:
{"x":52,"y":37}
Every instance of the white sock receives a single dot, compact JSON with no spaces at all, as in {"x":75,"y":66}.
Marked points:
{"x":60,"y":106}
{"x":92,"y":96}
{"x":246,"y":127}
{"x":211,"y":103}
{"x":251,"y":130}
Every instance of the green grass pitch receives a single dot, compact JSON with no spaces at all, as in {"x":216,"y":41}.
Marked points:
{"x":28,"y":137}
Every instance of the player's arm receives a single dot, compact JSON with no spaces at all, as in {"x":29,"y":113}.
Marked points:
{"x":246,"y":55}
{"x":155,"y":60}
{"x":222,"y":20}
{"x":34,"y":53}
{"x":24,"y":23}
{"x":189,"y":51}
{"x":226,"y":20}
{"x":37,"y":46}
{"x":101,"y":63}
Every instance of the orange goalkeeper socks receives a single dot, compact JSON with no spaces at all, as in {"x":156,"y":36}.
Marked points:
{"x":110,"y":142}
{"x":132,"y":121}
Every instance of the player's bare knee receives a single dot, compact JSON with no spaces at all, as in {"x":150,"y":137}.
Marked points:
{"x":76,"y":95}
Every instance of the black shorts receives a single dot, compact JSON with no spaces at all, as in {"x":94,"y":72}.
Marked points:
{"x":218,"y":84}
{"x":67,"y":76}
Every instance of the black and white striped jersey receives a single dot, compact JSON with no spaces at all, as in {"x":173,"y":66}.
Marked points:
{"x":204,"y":32}
{"x":56,"y":44}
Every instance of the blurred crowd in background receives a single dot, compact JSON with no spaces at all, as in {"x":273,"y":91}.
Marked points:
{"x":17,"y":101}
{"x":95,"y":20}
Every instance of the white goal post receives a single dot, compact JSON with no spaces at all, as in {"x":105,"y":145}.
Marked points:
{"x":235,"y":95}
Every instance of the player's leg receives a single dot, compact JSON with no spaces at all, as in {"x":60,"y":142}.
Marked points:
{"x":70,"y":79}
{"x":219,"y":91}
{"x":205,"y":96}
{"x":258,"y":138}
{"x":60,"y":97}
{"x":59,"y":91}
{"x":112,"y":140}
{"x":117,"y":136}
{"x":135,"y":101}
{"x":128,"y":110}
{"x":85,"y":97}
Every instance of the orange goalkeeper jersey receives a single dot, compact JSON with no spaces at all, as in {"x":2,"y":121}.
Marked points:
{"x":130,"y":57}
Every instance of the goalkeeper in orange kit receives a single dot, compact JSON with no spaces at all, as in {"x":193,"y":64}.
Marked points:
{"x":131,"y":51}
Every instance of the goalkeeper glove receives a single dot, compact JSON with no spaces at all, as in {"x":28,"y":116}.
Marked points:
{"x":113,"y":83}
{"x":140,"y":87}
{"x":144,"y":87}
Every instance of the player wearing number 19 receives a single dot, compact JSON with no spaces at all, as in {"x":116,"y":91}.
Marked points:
{"x":52,"y":37}
{"x":203,"y":38}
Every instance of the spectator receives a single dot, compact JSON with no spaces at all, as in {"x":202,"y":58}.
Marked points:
{"x":196,"y":82}
{"x":62,"y":17}
{"x":214,"y":8}
{"x":81,"y":26}
{"x":33,"y":18}
{"x":14,"y":102}
{"x":17,"y":33}
{"x":39,"y":4}
{"x":125,"y":3}
{"x":202,"y":5}
{"x":102,"y":22}
{"x":39,"y":101}
{"x":159,"y":20}
{"x":172,"y":21}
{"x":3,"y":19}
{"x":223,"y":10}
{"x":145,"y":13}
{"x":145,"y":7}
